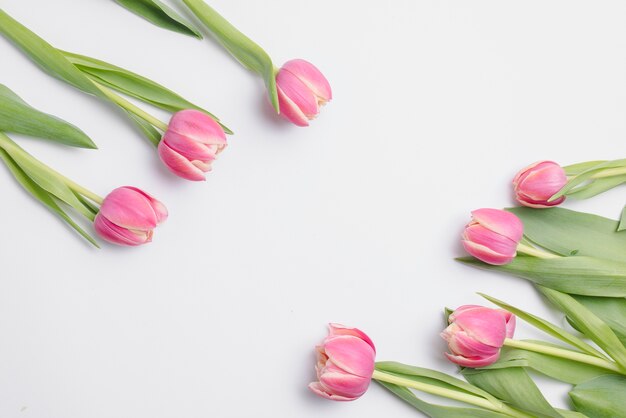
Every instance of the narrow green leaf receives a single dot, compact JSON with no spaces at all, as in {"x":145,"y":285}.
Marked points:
{"x":622,"y":220}
{"x":576,"y":169}
{"x":575,"y":275}
{"x":602,"y":397}
{"x":596,"y":187}
{"x":611,"y":310}
{"x":514,"y":386}
{"x":564,"y":231}
{"x":546,"y":327}
{"x":44,"y":54}
{"x":134,"y":85}
{"x":147,"y":129}
{"x":44,"y":197}
{"x":438,"y":411}
{"x":239,"y":45}
{"x":161,"y":15}
{"x":589,"y":324}
{"x":42,"y":175}
{"x":587,"y":175}
{"x":568,"y":371}
{"x":16,"y":116}
{"x":434,"y":377}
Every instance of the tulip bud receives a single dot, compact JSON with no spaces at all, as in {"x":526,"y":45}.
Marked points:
{"x":345,"y":364}
{"x":302,"y":89}
{"x":128,"y":216}
{"x":476,"y":334}
{"x":535,"y":184}
{"x":492,"y":236}
{"x":191,"y":143}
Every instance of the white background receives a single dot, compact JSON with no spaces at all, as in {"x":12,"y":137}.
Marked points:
{"x":355,"y":219}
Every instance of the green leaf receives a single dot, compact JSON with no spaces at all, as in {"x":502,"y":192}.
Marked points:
{"x":44,"y":197}
{"x":438,"y":411}
{"x":147,"y":129}
{"x":17,"y":116}
{"x":564,"y":231}
{"x":575,"y":275}
{"x":239,"y":45}
{"x":576,"y":169}
{"x":44,"y":54}
{"x":602,"y":397}
{"x":514,"y":386}
{"x":134,"y":85}
{"x":161,"y":15}
{"x":546,"y":327}
{"x":610,"y":310}
{"x":43,"y":175}
{"x":432,"y":377}
{"x":589,"y":324}
{"x":568,"y":371}
{"x":622,"y":220}
{"x":587,"y":175}
{"x":596,"y":187}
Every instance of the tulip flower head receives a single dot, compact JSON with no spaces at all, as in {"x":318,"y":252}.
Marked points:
{"x":476,"y":334}
{"x":128,"y":216}
{"x":493,"y":235}
{"x":535,"y":184}
{"x":191,"y":143}
{"x":302,"y":89}
{"x":345,"y":364}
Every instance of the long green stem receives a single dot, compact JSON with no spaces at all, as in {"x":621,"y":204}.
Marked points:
{"x":565,"y":354}
{"x":448,"y":393}
{"x":127,"y":105}
{"x":527,"y":249}
{"x":13,"y":149}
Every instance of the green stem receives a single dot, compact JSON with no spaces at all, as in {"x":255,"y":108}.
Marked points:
{"x":12,"y":148}
{"x":565,"y":354}
{"x":126,"y":105}
{"x":529,"y":250}
{"x":610,"y":172}
{"x":448,"y":393}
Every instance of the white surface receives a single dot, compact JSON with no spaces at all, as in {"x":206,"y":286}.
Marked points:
{"x":354,"y":220}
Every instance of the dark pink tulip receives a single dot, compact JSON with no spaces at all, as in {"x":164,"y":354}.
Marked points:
{"x":345,"y":364}
{"x":492,"y":235}
{"x":191,"y":143}
{"x":476,"y":335}
{"x":302,"y":89}
{"x":535,"y":184}
{"x":128,"y":216}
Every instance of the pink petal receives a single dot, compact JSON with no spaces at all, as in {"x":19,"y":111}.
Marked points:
{"x":178,"y":164}
{"x":317,"y":388}
{"x":159,"y":208}
{"x":120,"y":236}
{"x":344,"y":384}
{"x":128,"y":208}
{"x":198,"y":126}
{"x":289,"y":110}
{"x":500,"y":221}
{"x":462,"y":344}
{"x":481,"y":235}
{"x":485,"y":325}
{"x":351,"y":354}
{"x":298,"y":93}
{"x":485,"y":254}
{"x":473,"y":362}
{"x":510,"y":323}
{"x":311,"y":76}
{"x":338,"y":329}
{"x":187,"y":147}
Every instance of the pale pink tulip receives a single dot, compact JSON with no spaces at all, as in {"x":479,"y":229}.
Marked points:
{"x":128,"y":216}
{"x":345,"y":363}
{"x":302,"y":89}
{"x":492,"y":235}
{"x":535,"y":184}
{"x":476,"y":335}
{"x":191,"y":143}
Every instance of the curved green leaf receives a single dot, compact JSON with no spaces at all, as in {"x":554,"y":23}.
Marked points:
{"x":610,"y":310}
{"x":248,"y":53}
{"x":161,"y":15}
{"x":603,"y":397}
{"x":587,"y":175}
{"x":16,"y":116}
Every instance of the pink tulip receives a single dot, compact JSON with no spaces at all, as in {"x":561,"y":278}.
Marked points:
{"x":492,"y":236}
{"x":476,"y":334}
{"x":128,"y":216}
{"x":302,"y":89}
{"x":535,"y":184}
{"x":191,"y":143}
{"x":345,"y":363}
